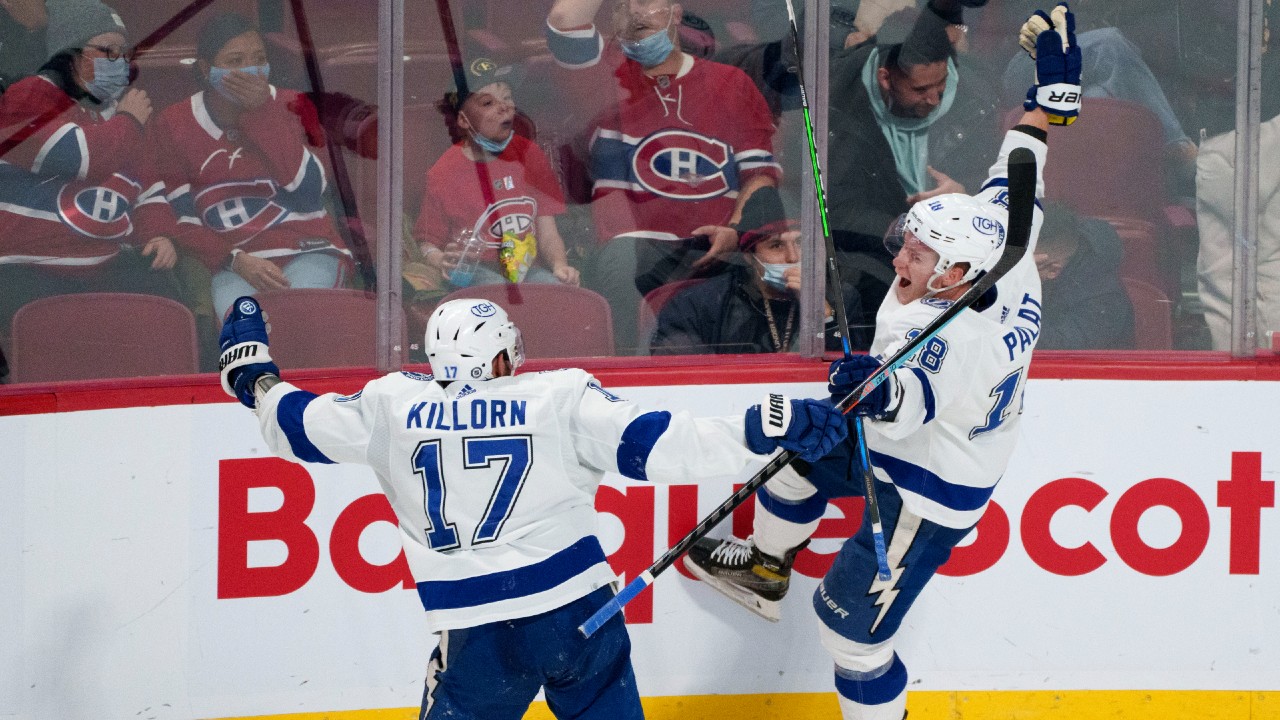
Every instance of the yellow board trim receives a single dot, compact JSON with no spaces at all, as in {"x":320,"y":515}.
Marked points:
{"x":993,"y":705}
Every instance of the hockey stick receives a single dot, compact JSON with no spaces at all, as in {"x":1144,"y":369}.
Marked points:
{"x":833,"y":272}
{"x":1022,"y":188}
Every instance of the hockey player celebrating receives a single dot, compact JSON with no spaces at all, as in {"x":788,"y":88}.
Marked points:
{"x":940,"y":430}
{"x":509,"y":565}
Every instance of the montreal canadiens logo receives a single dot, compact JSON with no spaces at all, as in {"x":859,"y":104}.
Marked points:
{"x":244,"y":206}
{"x":513,"y":215}
{"x":483,"y":309}
{"x":95,"y":210}
{"x":683,"y":165}
{"x":987,"y":226}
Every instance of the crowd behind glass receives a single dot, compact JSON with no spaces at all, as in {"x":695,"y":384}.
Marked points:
{"x":628,"y":170}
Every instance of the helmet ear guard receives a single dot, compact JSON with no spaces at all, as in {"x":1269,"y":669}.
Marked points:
{"x":961,"y":229}
{"x":464,"y":337}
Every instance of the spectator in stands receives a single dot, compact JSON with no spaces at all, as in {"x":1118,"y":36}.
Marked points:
{"x":885,"y":97}
{"x":1114,"y":68}
{"x":22,"y":39}
{"x":75,"y":214}
{"x":678,"y":145}
{"x":238,"y":161}
{"x":494,"y":184}
{"x":1215,"y":181}
{"x":755,"y":307}
{"x":1085,"y":303}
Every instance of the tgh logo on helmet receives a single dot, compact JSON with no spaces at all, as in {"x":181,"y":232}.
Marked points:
{"x":987,"y":226}
{"x":483,"y":310}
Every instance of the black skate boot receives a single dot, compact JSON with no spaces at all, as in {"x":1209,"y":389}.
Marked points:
{"x":747,"y":576}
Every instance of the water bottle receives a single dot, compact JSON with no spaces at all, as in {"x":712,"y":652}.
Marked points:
{"x":463,"y":274}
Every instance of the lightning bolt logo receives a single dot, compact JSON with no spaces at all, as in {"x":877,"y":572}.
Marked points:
{"x":904,"y":534}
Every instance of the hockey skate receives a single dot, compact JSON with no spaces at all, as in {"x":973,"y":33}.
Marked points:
{"x":747,"y":576}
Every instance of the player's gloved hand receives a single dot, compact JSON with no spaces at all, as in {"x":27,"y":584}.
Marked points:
{"x":847,"y":373}
{"x":810,"y":428}
{"x":244,"y":357}
{"x":1050,"y":40}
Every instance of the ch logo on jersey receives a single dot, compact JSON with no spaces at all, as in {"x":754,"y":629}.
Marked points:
{"x":246,"y":208}
{"x":682,"y":165}
{"x":513,"y":215}
{"x":98,"y":211}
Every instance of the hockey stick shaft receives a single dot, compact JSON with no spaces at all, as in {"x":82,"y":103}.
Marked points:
{"x":833,"y":273}
{"x":1022,"y":185}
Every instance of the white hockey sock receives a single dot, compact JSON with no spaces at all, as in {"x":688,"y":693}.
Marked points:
{"x":788,"y":510}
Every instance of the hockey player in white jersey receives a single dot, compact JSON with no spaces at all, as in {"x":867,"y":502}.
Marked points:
{"x":492,"y":477}
{"x":939,"y":431}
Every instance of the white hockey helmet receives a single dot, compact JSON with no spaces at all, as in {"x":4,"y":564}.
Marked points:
{"x":464,"y":336}
{"x":961,"y":229}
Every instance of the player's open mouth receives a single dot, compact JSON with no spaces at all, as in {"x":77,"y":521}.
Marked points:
{"x":904,"y":282}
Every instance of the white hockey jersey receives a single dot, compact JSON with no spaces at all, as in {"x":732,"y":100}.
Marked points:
{"x":493,"y":483}
{"x":963,"y":390}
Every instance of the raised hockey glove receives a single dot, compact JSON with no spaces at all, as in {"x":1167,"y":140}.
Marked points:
{"x":1050,"y":40}
{"x":848,"y":373}
{"x":809,"y":428}
{"x":244,"y":357}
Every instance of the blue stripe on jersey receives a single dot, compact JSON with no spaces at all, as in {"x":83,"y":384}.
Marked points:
{"x":876,"y":690}
{"x":65,"y":157}
{"x":930,"y":403}
{"x":507,"y":585}
{"x":796,"y":511}
{"x":638,"y":441}
{"x":909,"y":476}
{"x":573,"y":51}
{"x":289,"y":416}
{"x":1004,"y":182}
{"x":611,"y":160}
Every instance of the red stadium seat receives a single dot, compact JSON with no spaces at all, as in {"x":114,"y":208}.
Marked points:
{"x":555,"y":321}
{"x":1146,"y":256}
{"x":1152,"y":316}
{"x":1109,"y":163}
{"x":647,"y":319}
{"x":91,"y":336}
{"x":315,"y":327}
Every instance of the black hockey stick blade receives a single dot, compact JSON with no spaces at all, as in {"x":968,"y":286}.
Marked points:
{"x":1022,"y":196}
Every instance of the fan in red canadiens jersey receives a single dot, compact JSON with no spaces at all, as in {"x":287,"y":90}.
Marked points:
{"x":494,"y":184}
{"x":75,"y":215}
{"x":238,"y":163}
{"x":677,"y":145}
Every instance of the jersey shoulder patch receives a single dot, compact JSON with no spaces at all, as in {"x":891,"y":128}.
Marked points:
{"x":424,"y":377}
{"x":936,"y":302}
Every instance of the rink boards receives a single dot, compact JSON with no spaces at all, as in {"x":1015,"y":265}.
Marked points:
{"x":155,"y":563}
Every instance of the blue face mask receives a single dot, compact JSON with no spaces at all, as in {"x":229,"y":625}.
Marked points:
{"x":650,"y":51}
{"x":494,"y":146}
{"x":771,"y":274}
{"x":218,"y":77}
{"x":110,"y":78}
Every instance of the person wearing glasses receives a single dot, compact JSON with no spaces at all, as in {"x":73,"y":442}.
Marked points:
{"x":75,"y":215}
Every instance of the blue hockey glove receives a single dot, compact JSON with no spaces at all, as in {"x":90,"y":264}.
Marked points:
{"x":1050,"y":40}
{"x":809,"y":428}
{"x":244,"y":357}
{"x":848,"y":373}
